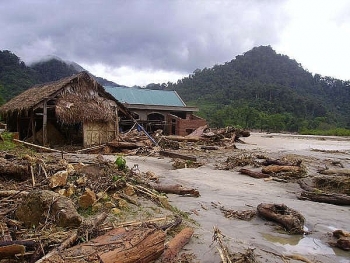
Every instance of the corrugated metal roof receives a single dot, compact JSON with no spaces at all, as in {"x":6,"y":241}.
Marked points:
{"x":145,"y":96}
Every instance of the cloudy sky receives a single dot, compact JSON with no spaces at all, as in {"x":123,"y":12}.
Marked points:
{"x":136,"y":42}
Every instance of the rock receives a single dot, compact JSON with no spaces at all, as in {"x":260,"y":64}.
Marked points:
{"x":81,"y":180}
{"x":70,"y":169}
{"x":35,"y":208}
{"x":129,"y":190}
{"x":87,"y":199}
{"x":58,"y":179}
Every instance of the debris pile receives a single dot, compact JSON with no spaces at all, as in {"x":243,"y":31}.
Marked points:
{"x":77,"y":210}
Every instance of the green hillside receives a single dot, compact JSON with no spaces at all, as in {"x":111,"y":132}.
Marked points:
{"x":265,"y":90}
{"x":16,"y":76}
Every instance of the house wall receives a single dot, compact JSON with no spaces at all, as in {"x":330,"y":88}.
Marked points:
{"x":98,"y":133}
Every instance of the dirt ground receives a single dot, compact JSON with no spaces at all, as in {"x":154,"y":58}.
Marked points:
{"x":234,"y":191}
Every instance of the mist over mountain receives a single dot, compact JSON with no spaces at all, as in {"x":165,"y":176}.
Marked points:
{"x":259,"y":89}
{"x":16,"y":76}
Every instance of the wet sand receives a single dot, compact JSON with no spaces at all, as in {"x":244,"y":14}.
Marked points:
{"x":235,"y":191}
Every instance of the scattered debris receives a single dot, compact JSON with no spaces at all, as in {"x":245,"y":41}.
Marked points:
{"x":179,"y":164}
{"x":229,"y":257}
{"x":230,"y":213}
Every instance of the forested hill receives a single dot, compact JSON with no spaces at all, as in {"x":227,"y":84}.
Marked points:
{"x":16,"y":76}
{"x":265,"y":90}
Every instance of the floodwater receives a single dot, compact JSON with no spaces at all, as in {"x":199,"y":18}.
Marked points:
{"x":234,"y":191}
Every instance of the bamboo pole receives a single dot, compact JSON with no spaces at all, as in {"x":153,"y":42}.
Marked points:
{"x":38,"y":146}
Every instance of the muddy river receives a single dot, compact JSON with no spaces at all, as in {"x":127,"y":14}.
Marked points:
{"x":234,"y":191}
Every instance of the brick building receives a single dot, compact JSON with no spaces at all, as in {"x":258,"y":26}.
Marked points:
{"x":157,"y":109}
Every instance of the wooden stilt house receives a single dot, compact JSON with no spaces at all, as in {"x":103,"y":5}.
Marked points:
{"x":74,"y":110}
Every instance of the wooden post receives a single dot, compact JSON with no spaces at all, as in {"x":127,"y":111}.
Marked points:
{"x":45,"y":122}
{"x":116,"y":129}
{"x":32,"y":121}
{"x":18,"y":124}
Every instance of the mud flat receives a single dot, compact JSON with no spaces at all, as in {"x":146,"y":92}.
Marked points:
{"x":234,"y":191}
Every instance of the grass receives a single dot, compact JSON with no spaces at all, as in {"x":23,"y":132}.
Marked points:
{"x":330,"y":132}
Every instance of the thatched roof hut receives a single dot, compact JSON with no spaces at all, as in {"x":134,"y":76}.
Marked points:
{"x":65,"y":105}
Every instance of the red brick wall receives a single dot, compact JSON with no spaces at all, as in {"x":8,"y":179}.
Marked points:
{"x":186,"y":126}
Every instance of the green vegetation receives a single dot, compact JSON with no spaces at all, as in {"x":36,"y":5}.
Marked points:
{"x":331,"y":132}
{"x":6,"y":143}
{"x":266,"y":91}
{"x":120,"y":162}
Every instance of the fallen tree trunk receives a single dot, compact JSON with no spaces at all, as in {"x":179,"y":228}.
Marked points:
{"x":290,"y":219}
{"x":335,"y":199}
{"x":281,"y":168}
{"x":120,"y":245}
{"x":175,"y":189}
{"x":343,"y":171}
{"x":253,"y":173}
{"x":176,"y":244}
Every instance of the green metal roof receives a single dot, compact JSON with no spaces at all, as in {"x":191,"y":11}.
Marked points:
{"x":145,"y":96}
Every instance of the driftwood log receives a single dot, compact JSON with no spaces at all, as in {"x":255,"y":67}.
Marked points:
{"x":176,"y":244}
{"x":120,"y":245}
{"x":329,"y":198}
{"x":253,"y":173}
{"x":290,"y":219}
{"x":343,"y":239}
{"x":281,"y":168}
{"x":175,"y":189}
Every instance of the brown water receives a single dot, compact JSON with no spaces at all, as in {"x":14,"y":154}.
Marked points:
{"x":235,"y":191}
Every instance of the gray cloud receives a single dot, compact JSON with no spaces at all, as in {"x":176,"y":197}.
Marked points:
{"x":156,"y":34}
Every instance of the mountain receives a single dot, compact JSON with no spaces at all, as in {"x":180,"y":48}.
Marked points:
{"x":259,"y":89}
{"x":16,"y":76}
{"x":265,"y":90}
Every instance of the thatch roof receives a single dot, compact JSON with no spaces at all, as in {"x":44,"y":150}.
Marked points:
{"x":78,"y":98}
